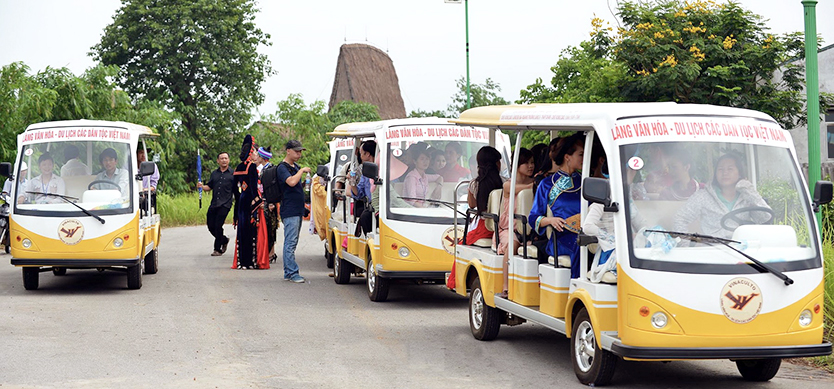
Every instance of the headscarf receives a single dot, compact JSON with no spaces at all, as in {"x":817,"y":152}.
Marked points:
{"x":264,"y":153}
{"x":246,"y":149}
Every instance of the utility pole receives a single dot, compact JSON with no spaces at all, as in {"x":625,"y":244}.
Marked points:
{"x":812,"y":89}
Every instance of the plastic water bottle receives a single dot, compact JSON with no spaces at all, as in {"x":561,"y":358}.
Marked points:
{"x":307,"y":182}
{"x":660,"y":241}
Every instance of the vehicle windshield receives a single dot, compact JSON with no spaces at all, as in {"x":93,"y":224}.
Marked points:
{"x":422,"y":175}
{"x":94,"y":175}
{"x":749,"y":193}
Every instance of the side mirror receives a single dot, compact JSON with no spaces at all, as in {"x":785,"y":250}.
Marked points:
{"x":823,"y":192}
{"x":6,"y":169}
{"x":323,"y":171}
{"x":371,"y":170}
{"x":146,"y":168}
{"x":598,"y":190}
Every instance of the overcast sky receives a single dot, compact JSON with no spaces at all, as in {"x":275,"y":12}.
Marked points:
{"x":512,"y":42}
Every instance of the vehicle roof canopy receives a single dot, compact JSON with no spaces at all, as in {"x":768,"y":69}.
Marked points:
{"x":582,"y":116}
{"x":138,"y":129}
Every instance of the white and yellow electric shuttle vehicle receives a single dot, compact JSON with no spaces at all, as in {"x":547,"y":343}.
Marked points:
{"x":79,"y":220}
{"x":750,"y":289}
{"x":412,"y":239}
{"x":341,"y":150}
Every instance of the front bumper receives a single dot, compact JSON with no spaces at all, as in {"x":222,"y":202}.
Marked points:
{"x":655,"y":353}
{"x":91,"y":263}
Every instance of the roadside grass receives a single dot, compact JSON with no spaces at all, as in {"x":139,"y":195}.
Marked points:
{"x":184,"y":210}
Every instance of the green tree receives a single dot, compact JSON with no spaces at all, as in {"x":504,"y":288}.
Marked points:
{"x":427,"y":114}
{"x":481,"y":95}
{"x":308,"y":124}
{"x":683,"y":51}
{"x":199,"y":58}
{"x":57,"y":94}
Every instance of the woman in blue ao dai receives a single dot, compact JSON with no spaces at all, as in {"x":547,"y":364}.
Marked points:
{"x":561,"y":193}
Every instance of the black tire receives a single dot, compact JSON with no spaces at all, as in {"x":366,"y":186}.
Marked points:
{"x":59,"y":271}
{"x":330,"y":256}
{"x":134,"y":276}
{"x":377,"y":286}
{"x":341,"y":271}
{"x":30,"y":278}
{"x":8,"y":249}
{"x":152,"y":262}
{"x":758,"y":370}
{"x":595,"y":369}
{"x":484,"y":321}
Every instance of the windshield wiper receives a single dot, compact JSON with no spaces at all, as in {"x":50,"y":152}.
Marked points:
{"x":698,"y":238}
{"x":67,"y":199}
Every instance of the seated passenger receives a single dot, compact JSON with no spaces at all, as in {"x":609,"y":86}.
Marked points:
{"x":46,"y":182}
{"x":600,"y":224}
{"x":73,"y":167}
{"x":111,"y":173}
{"x":416,"y":186}
{"x":683,"y":185}
{"x":453,"y":172}
{"x":488,"y":179}
{"x":560,"y":193}
{"x":438,"y":161}
{"x":524,"y":180}
{"x":729,"y":191}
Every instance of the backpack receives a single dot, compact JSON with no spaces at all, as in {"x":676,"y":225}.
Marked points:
{"x":272,"y":188}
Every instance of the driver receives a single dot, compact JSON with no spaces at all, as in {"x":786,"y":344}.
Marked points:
{"x":729,"y":191}
{"x":111,"y":173}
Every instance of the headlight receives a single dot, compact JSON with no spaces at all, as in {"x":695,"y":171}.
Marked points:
{"x":659,"y":320}
{"x":404,"y":252}
{"x":118,"y":242}
{"x":805,"y":318}
{"x":26,"y":243}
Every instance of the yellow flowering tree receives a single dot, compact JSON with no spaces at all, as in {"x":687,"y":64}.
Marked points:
{"x":685,"y":51}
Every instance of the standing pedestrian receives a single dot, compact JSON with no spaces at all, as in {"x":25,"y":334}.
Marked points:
{"x":290,"y":177}
{"x":246,"y":206}
{"x":222,"y":181}
{"x":270,"y":211}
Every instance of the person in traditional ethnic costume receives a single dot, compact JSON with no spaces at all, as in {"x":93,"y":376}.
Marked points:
{"x":246,"y":208}
{"x":270,"y":211}
{"x":560,"y":193}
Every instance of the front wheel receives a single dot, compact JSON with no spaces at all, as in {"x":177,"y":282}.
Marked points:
{"x":758,"y":370}
{"x":377,"y":286}
{"x":59,"y":271}
{"x":483,"y":319}
{"x":134,"y":276}
{"x":592,"y":365}
{"x":30,"y":277}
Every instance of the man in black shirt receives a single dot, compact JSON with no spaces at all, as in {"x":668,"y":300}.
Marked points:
{"x":223,"y":183}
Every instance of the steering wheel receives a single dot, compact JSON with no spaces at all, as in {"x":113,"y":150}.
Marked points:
{"x":103,"y":182}
{"x":733,"y":216}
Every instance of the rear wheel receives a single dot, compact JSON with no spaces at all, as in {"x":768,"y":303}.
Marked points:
{"x":483,"y":319}
{"x":59,"y":271}
{"x":134,"y":276}
{"x":342,"y":270}
{"x":758,"y":369}
{"x":330,"y":256}
{"x":592,"y":365}
{"x":30,"y":277}
{"x":152,"y":262}
{"x":377,"y":286}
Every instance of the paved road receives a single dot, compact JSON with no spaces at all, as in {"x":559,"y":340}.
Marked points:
{"x":199,"y":324}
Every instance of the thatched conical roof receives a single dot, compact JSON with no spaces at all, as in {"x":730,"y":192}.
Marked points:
{"x":365,"y":73}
